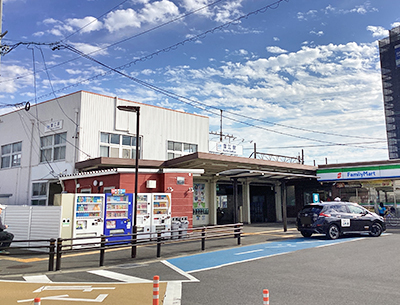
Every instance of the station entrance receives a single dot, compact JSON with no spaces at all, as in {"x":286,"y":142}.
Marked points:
{"x":262,"y":203}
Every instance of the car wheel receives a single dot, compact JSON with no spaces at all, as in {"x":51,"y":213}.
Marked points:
{"x":306,"y":234}
{"x":375,"y":230}
{"x":333,"y":232}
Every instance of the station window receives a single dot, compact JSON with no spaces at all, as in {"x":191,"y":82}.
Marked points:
{"x":11,"y":155}
{"x":53,"y":147}
{"x":178,"y":149}
{"x":118,"y":146}
{"x":39,"y":193}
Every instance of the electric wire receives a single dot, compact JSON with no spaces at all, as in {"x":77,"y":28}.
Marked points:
{"x":52,"y":89}
{"x":10,"y":48}
{"x":34,"y":87}
{"x":95,"y":19}
{"x":262,"y":10}
{"x":197,"y":104}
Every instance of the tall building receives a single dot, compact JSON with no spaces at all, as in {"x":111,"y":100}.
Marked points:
{"x":389,"y":49}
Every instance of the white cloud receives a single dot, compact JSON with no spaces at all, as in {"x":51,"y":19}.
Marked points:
{"x":87,"y":24}
{"x":378,"y":31}
{"x":275,"y":49}
{"x":304,"y":16}
{"x":335,"y":84}
{"x":9,"y":81}
{"x":319,"y":33}
{"x":89,"y":49}
{"x":151,"y":13}
{"x":395,"y":24}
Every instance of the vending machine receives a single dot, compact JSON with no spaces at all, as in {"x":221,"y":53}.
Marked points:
{"x":89,"y":217}
{"x":118,"y":216}
{"x":161,"y":214}
{"x":144,"y":214}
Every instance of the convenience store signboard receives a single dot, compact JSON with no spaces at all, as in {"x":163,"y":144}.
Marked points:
{"x":359,"y":173}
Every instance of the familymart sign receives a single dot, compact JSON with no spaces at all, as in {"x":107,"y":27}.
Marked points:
{"x":359,"y":173}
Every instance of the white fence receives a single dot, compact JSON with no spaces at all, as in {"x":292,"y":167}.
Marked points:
{"x":33,"y":222}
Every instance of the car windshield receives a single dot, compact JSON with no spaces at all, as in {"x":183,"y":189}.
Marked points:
{"x":314,"y":209}
{"x":337,"y":208}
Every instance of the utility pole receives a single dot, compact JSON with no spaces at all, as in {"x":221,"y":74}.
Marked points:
{"x":1,"y":19}
{"x":220,"y":127}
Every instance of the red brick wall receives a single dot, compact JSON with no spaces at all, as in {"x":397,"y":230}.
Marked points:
{"x":182,"y":198}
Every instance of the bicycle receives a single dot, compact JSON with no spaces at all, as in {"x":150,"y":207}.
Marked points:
{"x":390,"y":218}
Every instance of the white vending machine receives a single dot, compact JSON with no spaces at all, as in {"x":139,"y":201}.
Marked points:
{"x":89,"y":217}
{"x":143,"y":219}
{"x":161,"y":214}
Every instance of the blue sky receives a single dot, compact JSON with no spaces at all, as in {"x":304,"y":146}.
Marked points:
{"x":288,"y":75}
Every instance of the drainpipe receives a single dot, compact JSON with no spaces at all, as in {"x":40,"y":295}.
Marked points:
{"x":30,"y":163}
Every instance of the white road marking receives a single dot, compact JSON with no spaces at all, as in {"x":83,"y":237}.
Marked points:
{"x":180,"y":271}
{"x":173,"y":294}
{"x":247,"y":252}
{"x":37,"y":278}
{"x":72,"y":287}
{"x":238,"y":262}
{"x":119,"y":276}
{"x":65,"y":297}
{"x":340,"y":242}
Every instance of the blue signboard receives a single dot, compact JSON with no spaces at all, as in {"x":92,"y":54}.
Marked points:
{"x":315,"y":197}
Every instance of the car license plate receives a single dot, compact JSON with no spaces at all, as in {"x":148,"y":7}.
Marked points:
{"x":305,"y":220}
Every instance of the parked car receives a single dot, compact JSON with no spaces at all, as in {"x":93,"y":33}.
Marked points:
{"x":337,"y":218}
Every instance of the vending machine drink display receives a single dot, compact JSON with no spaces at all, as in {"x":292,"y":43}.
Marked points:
{"x":161,"y":212}
{"x":89,"y":217}
{"x":153,"y":214}
{"x":143,"y":214}
{"x":118,"y":216}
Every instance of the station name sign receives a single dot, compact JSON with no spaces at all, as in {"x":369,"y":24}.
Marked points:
{"x":225,"y":148}
{"x":53,"y":125}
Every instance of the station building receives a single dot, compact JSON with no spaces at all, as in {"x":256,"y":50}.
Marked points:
{"x":82,"y":143}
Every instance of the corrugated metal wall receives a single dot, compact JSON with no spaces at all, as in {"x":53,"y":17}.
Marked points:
{"x":157,"y":126}
{"x":33,"y":222}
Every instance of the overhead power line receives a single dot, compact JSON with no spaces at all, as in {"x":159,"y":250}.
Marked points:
{"x":9,"y":48}
{"x":262,"y":10}
{"x":197,"y":104}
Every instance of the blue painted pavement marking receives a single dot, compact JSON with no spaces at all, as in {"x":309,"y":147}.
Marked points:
{"x":210,"y":260}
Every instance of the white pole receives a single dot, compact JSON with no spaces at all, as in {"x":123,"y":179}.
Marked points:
{"x":1,"y":19}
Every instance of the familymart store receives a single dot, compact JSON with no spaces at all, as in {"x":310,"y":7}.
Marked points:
{"x":367,"y":183}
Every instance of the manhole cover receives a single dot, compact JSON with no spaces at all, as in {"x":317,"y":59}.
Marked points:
{"x":19,"y":267}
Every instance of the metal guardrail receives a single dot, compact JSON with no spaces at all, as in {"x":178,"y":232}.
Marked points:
{"x":51,"y":247}
{"x":58,"y":247}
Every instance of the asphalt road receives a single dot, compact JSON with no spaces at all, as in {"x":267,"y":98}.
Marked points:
{"x":355,"y":271}
{"x":351,"y":270}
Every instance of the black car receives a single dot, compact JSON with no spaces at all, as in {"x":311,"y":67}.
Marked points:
{"x":337,"y":218}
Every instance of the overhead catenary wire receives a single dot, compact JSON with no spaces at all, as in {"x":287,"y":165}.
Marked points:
{"x":12,"y":47}
{"x":262,"y":10}
{"x":197,"y":104}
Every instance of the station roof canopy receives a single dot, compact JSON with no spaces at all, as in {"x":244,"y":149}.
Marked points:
{"x":245,"y":173}
{"x":213,"y":165}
